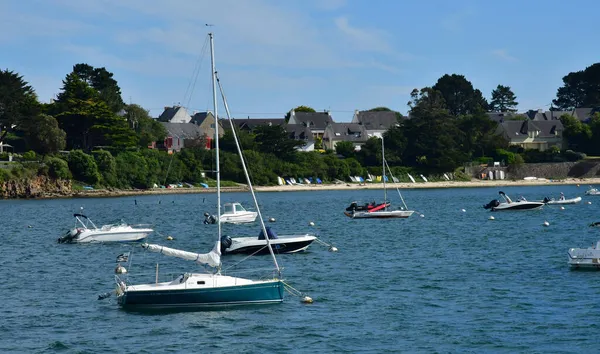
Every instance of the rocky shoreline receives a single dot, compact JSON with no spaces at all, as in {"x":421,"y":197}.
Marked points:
{"x":45,"y":188}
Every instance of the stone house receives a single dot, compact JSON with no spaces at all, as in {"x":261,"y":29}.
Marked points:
{"x":529,"y":134}
{"x":375,"y":122}
{"x":315,"y":121}
{"x":175,"y":114}
{"x":355,"y":133}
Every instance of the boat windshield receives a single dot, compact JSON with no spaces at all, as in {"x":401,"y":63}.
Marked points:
{"x":238,"y":207}
{"x":228,"y":209}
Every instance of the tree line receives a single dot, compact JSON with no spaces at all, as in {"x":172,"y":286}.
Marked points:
{"x":88,"y":133}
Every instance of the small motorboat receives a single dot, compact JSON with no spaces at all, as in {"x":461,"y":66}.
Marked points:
{"x":585,"y":258}
{"x":592,"y":191}
{"x":85,"y":232}
{"x":258,"y":245}
{"x":235,"y":213}
{"x":561,"y":200}
{"x":508,"y":204}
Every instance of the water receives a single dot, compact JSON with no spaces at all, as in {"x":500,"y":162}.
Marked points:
{"x":450,"y":281}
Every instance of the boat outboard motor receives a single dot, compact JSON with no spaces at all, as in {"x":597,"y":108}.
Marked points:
{"x":225,"y":243}
{"x":209,"y":219}
{"x":492,"y":204}
{"x":353,"y":206}
{"x":546,"y":200}
{"x":68,"y":237}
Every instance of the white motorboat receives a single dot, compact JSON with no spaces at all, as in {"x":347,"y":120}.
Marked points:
{"x":562,"y":200}
{"x":592,"y":191}
{"x":381,"y":210}
{"x":258,"y":245}
{"x":212,"y":289}
{"x":508,"y":204}
{"x":85,"y":231}
{"x":585,"y":258}
{"x":235,"y":213}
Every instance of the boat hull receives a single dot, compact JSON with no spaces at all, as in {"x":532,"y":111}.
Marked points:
{"x":283,"y":244}
{"x":519,"y":205}
{"x":266,"y":292}
{"x":93,"y":236}
{"x":584,"y":258}
{"x":402,"y":214}
{"x":239,"y":218}
{"x":564,"y":201}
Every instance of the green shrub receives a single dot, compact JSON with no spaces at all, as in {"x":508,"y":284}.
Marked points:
{"x":58,"y":168}
{"x":30,"y":156}
{"x":107,"y":166}
{"x":83,"y":167}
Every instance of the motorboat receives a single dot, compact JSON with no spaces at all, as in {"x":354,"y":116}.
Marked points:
{"x":235,"y":213}
{"x":258,"y":245}
{"x":381,"y":210}
{"x":561,"y":200}
{"x":585,"y":258}
{"x":214,"y":288}
{"x":508,"y":204}
{"x":592,"y":191}
{"x":85,"y":231}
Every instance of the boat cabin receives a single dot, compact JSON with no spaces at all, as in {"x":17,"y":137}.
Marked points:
{"x":233,"y":208}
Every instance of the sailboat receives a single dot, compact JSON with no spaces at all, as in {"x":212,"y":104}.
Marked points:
{"x":383,"y":210}
{"x":204,"y":290}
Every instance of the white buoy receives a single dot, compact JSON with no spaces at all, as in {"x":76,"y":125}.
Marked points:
{"x":422,"y":215}
{"x":307,"y":300}
{"x":311,"y":223}
{"x":589,"y":202}
{"x":333,"y":249}
{"x":272,"y":219}
{"x":169,"y":238}
{"x":120,"y":269}
{"x":463,"y":210}
{"x":562,"y":208}
{"x":546,"y":223}
{"x":492,"y":218}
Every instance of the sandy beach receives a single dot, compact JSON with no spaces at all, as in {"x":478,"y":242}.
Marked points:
{"x":344,"y":186}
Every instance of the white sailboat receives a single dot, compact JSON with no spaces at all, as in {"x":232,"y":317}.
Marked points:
{"x":382,"y":211}
{"x":201,"y":290}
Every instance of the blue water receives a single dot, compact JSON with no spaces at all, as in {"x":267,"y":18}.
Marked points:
{"x":450,"y":281}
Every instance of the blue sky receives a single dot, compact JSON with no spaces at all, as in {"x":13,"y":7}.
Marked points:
{"x":338,"y":55}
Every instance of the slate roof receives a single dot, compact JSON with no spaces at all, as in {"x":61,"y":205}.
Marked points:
{"x":183,"y":130}
{"x":299,"y":132}
{"x":515,"y":128}
{"x":314,"y":120}
{"x":199,"y":117}
{"x":347,"y":132}
{"x":377,"y":120}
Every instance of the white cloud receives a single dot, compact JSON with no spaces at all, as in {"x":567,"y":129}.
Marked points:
{"x":504,"y":55}
{"x":362,"y":38}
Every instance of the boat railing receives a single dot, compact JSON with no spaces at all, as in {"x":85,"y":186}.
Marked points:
{"x":142,"y":226}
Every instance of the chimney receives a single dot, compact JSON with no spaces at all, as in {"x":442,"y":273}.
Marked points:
{"x":167,"y":108}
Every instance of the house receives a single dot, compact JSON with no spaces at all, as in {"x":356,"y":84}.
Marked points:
{"x":302,"y":133}
{"x":375,"y":122}
{"x":582,"y":114}
{"x":206,"y":122}
{"x":315,"y":121}
{"x":355,"y":133}
{"x":180,"y":135}
{"x":248,"y":124}
{"x":537,"y":135}
{"x":175,"y":114}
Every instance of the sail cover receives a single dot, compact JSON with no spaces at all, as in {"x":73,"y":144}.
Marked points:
{"x":213,"y":258}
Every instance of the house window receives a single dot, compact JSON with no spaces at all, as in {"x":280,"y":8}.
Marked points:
{"x":212,"y":125}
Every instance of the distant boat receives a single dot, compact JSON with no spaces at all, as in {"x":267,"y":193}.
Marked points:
{"x":381,"y":210}
{"x":585,"y":258}
{"x":508,"y":204}
{"x":235,"y":213}
{"x":411,"y":178}
{"x":86,"y":232}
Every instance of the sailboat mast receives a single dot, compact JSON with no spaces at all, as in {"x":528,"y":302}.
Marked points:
{"x":218,"y":168}
{"x":383,"y":174}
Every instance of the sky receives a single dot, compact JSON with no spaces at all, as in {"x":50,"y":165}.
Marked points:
{"x":274,"y":55}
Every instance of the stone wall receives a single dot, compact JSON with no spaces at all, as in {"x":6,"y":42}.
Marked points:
{"x":559,"y":170}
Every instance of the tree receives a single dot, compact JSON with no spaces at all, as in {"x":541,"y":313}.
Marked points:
{"x":18,"y":102}
{"x":147,"y":129}
{"x":577,"y":134}
{"x":44,"y":135}
{"x":274,"y":139}
{"x":344,"y":148}
{"x":83,"y":167}
{"x":503,"y":100}
{"x":580,"y":89}
{"x":298,"y":109}
{"x":385,"y":109}
{"x":87,"y":119}
{"x":460,"y":96}
{"x":102,"y":81}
